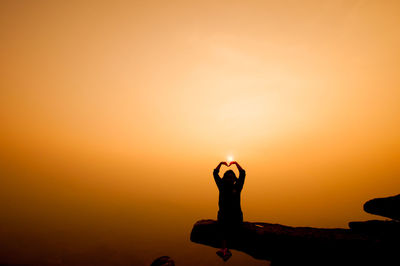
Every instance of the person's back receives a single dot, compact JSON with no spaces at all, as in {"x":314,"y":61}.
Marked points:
{"x":229,"y":187}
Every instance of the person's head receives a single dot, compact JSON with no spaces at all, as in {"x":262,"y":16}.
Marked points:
{"x":229,"y":177}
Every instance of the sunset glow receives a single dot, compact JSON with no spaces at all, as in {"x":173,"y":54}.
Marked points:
{"x":115,"y":113}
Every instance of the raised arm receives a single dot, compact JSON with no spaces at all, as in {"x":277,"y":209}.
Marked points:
{"x":242,"y":174}
{"x":216,"y":173}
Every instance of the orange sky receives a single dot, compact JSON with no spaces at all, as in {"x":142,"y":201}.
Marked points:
{"x":122,"y":109}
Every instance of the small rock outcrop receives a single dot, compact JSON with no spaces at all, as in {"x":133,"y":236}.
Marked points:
{"x":386,"y":207}
{"x":385,"y":229}
{"x":163,"y":261}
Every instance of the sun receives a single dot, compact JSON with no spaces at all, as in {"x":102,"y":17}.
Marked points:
{"x":229,"y":158}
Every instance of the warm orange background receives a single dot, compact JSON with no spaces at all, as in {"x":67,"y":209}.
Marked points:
{"x":113,"y":114}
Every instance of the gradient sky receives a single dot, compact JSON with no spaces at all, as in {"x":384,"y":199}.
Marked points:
{"x":123,"y":108}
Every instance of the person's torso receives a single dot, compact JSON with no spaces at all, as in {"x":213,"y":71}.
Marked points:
{"x":229,"y":199}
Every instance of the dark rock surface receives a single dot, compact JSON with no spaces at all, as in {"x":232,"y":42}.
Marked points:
{"x":163,"y":261}
{"x":377,"y":228}
{"x":387,"y":207}
{"x":285,"y":245}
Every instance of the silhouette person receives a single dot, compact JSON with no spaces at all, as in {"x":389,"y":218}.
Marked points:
{"x":230,"y":214}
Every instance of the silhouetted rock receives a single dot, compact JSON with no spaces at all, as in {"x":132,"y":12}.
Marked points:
{"x":163,"y":261}
{"x":378,"y":228}
{"x":387,"y":207}
{"x":285,"y":245}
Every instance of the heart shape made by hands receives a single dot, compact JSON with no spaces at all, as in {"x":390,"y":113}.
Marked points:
{"x":230,"y":163}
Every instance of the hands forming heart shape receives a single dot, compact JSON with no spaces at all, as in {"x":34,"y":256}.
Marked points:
{"x":230,"y":163}
{"x":225,"y":163}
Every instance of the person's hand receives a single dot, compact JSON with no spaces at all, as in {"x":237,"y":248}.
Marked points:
{"x":237,"y":165}
{"x":219,"y":166}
